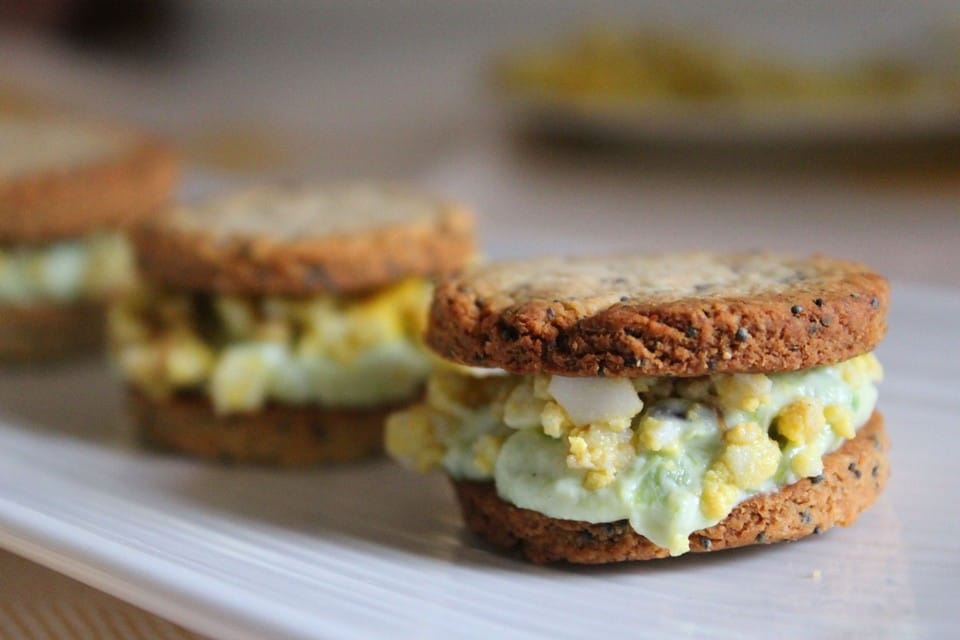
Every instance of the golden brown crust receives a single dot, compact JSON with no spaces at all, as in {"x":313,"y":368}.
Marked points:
{"x":111,"y":192}
{"x":48,"y":331}
{"x":608,"y":316}
{"x":852,"y":478}
{"x":275,"y":435}
{"x":316,"y":257}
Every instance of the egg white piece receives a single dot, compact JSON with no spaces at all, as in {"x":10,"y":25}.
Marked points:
{"x":593,"y":400}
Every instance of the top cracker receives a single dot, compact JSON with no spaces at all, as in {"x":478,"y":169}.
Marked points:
{"x":300,"y":240}
{"x":681,"y":314}
{"x":62,"y":177}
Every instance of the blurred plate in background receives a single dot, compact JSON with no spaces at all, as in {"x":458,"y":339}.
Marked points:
{"x":649,"y":84}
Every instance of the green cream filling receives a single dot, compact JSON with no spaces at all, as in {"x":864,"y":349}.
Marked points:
{"x":696,"y":448}
{"x":65,"y":271}
{"x":248,"y":375}
{"x":246,"y":352}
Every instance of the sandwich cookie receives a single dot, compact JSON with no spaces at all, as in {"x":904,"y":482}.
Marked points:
{"x":636,"y":407}
{"x":67,"y":190}
{"x":279,"y":325}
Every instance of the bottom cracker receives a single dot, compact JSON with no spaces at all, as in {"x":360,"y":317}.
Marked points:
{"x":275,"y":435}
{"x":49,"y":331}
{"x":853,"y":476}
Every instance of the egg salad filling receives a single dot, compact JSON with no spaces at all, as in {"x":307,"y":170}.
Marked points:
{"x":65,"y":271}
{"x":671,"y":455}
{"x":244,"y":352}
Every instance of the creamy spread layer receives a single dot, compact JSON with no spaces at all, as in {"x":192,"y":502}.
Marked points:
{"x":671,"y":455}
{"x":244,"y":351}
{"x":66,"y":271}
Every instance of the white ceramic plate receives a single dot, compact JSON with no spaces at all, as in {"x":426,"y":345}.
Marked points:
{"x":374,"y":551}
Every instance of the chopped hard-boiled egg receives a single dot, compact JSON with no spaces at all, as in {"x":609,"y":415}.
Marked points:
{"x":245,"y":352}
{"x":242,"y":376}
{"x":65,"y":271}
{"x":801,"y":420}
{"x":592,"y":400}
{"x":743,"y":391}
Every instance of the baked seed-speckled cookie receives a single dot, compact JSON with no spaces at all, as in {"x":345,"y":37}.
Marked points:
{"x":635,"y":407}
{"x":296,"y":240}
{"x":62,"y":178}
{"x":277,"y":435}
{"x":68,"y":188}
{"x":685,"y":314}
{"x":279,"y":325}
{"x":852,"y":479}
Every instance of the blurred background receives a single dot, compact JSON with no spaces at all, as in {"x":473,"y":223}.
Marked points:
{"x":570,"y":126}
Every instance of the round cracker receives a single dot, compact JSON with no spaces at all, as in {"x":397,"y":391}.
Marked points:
{"x":681,"y":314}
{"x":62,"y":178}
{"x":276,"y":435}
{"x":302,"y":239}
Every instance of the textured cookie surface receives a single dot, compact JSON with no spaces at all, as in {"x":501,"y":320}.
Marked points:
{"x":61,"y":178}
{"x":50,"y":331}
{"x":670,"y":314}
{"x":305,"y":239}
{"x":276,"y":435}
{"x":852,"y":478}
{"x":40,"y":145}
